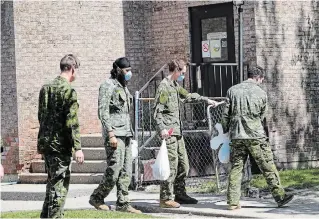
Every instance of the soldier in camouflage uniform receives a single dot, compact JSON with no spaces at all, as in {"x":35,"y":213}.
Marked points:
{"x":168,"y":97}
{"x":115,"y":103}
{"x":243,"y":119}
{"x":59,"y":135}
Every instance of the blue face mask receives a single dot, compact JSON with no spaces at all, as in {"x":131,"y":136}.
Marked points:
{"x":181,"y":77}
{"x":128,"y":76}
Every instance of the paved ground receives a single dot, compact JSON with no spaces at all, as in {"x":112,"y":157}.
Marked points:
{"x":18,"y":197}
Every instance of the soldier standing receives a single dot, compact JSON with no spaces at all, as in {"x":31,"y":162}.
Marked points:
{"x":243,"y":119}
{"x":59,"y":135}
{"x":167,"y":115}
{"x":115,"y":103}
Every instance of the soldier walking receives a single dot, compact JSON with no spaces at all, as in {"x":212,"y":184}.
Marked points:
{"x":115,"y":103}
{"x":168,"y":97}
{"x":59,"y":135}
{"x":243,"y":119}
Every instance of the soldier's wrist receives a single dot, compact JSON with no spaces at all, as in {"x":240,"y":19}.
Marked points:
{"x":111,"y":133}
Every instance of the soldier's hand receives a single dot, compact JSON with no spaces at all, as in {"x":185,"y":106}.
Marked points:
{"x":79,"y":156}
{"x":164,"y":134}
{"x":113,"y":142}
{"x":214,"y":103}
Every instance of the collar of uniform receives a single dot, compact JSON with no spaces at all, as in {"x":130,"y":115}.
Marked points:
{"x":170,"y":82}
{"x":63,"y":79}
{"x":118,"y":83}
{"x":250,"y":81}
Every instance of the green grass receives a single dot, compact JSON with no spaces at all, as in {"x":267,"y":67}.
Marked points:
{"x":298,"y":179}
{"x":207,"y":187}
{"x":76,"y":214}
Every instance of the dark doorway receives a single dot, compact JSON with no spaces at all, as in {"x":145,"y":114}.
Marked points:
{"x":213,"y":49}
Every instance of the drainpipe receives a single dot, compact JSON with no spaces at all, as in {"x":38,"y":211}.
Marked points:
{"x":239,"y":5}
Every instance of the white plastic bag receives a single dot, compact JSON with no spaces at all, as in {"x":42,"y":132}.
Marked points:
{"x":134,"y":147}
{"x":160,"y":168}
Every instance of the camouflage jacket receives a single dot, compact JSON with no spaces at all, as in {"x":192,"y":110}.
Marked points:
{"x":115,"y":103}
{"x":244,"y":114}
{"x":58,"y":117}
{"x":168,"y":97}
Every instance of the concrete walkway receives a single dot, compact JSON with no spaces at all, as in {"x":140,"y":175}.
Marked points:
{"x":21,"y":197}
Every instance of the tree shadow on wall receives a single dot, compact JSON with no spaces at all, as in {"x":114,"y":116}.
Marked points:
{"x":308,"y":58}
{"x":288,"y":125}
{"x":9,"y":107}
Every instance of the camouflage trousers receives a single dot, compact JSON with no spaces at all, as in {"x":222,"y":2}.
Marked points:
{"x":59,"y":169}
{"x":118,"y":172}
{"x":179,"y":167}
{"x":260,"y":150}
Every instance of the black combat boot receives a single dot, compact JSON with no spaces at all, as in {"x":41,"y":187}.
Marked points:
{"x":185,"y":199}
{"x":285,"y":200}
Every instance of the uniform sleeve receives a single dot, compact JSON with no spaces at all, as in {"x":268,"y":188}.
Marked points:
{"x":187,"y":97}
{"x":161,"y":99}
{"x":43,"y":102}
{"x":264,"y":108}
{"x":72,"y":121}
{"x":105,"y":94}
{"x":226,"y":113}
{"x":42,"y":115}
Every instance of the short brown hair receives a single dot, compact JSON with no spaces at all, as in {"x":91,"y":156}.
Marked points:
{"x":176,"y":64}
{"x":256,"y":71}
{"x":69,"y":61}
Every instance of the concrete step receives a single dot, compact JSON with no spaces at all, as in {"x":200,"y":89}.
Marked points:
{"x":76,"y":178}
{"x":90,"y":166}
{"x":94,"y":153}
{"x":92,"y":140}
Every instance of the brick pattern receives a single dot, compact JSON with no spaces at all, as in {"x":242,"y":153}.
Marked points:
{"x":167,"y":32}
{"x":10,"y":155}
{"x":9,"y":107}
{"x":44,"y":33}
{"x":249,"y":35}
{"x":134,"y":34}
{"x":287,"y":48}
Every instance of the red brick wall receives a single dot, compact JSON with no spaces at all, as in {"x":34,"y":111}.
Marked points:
{"x":286,"y":36}
{"x":46,"y":31}
{"x":9,"y":104}
{"x":167,"y":33}
{"x":134,"y":37}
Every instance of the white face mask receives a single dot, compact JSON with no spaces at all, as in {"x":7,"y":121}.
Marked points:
{"x":181,"y":77}
{"x":128,"y":75}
